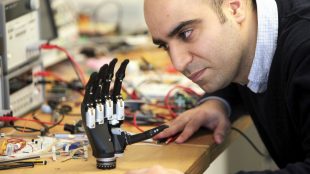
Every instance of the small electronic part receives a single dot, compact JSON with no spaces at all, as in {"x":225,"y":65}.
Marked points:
{"x":136,"y":112}
{"x":143,"y":118}
{"x":54,"y":155}
{"x":74,"y":128}
{"x":13,"y":148}
{"x":5,"y":113}
{"x":183,"y":101}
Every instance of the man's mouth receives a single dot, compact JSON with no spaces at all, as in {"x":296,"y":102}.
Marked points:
{"x":195,"y":77}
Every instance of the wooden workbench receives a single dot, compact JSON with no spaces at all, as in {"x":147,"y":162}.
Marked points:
{"x":192,"y":157}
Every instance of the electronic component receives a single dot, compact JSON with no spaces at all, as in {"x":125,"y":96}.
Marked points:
{"x":19,"y":33}
{"x":19,"y":56}
{"x":19,"y":90}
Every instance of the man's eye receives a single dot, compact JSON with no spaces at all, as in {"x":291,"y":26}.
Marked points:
{"x":163,"y":46}
{"x":185,"y":35}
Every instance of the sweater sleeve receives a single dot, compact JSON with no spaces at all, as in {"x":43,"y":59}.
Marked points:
{"x":231,"y":95}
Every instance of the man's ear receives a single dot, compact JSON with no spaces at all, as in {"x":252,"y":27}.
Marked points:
{"x":237,"y":9}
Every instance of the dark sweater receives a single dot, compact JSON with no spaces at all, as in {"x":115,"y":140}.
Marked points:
{"x":282,"y":113}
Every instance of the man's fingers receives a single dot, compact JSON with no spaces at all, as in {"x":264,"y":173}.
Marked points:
{"x":170,"y":131}
{"x":174,"y":127}
{"x":220,"y":132}
{"x":190,"y":128}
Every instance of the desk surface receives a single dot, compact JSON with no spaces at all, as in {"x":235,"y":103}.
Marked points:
{"x":192,"y":157}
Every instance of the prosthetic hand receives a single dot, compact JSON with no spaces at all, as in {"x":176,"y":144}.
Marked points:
{"x":103,"y":115}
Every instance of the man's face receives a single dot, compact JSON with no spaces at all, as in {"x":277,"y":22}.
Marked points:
{"x":200,"y":46}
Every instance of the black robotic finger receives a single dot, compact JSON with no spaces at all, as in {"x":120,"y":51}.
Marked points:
{"x":111,"y":69}
{"x":89,"y":102}
{"x":119,"y":76}
{"x":89,"y":90}
{"x":102,"y":76}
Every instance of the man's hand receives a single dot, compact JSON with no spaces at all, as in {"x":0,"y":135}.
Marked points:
{"x":157,"y":169}
{"x":211,"y":114}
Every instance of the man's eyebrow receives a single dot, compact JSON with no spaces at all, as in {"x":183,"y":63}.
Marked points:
{"x":181,"y":25}
{"x":175,"y":31}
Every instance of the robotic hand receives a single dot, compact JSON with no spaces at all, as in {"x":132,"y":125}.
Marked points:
{"x":103,"y":115}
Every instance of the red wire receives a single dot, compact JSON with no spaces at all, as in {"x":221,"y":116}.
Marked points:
{"x":12,"y":118}
{"x":172,"y":113}
{"x":135,"y":122}
{"x":22,"y":142}
{"x":164,"y":116}
{"x":49,"y":73}
{"x":79,"y":69}
{"x":128,"y":93}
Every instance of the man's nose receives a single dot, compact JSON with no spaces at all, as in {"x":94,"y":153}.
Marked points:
{"x":180,"y":57}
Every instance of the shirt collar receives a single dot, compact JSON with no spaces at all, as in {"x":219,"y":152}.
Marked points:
{"x":267,"y":15}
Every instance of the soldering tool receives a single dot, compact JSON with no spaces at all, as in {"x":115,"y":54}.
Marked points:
{"x":103,"y":115}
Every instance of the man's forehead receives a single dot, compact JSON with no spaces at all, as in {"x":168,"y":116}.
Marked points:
{"x":172,"y":8}
{"x":160,"y":13}
{"x":162,"y":16}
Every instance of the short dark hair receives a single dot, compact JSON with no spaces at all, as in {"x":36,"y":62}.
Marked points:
{"x":216,"y":5}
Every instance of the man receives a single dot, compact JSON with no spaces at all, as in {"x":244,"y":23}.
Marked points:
{"x":253,"y":54}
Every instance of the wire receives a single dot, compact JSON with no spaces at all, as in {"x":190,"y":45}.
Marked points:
{"x":58,"y":123}
{"x":19,"y":141}
{"x":25,"y":129}
{"x":79,"y":71}
{"x":50,"y":74}
{"x":13,"y":118}
{"x":131,"y":95}
{"x":250,"y":142}
{"x":66,"y":85}
{"x":134,"y":121}
{"x":22,"y":129}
